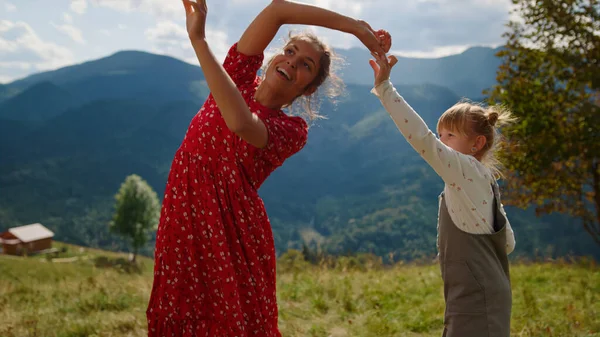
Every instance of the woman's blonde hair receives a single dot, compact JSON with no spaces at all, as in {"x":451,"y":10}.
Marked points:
{"x":328,"y":84}
{"x":472,"y":119}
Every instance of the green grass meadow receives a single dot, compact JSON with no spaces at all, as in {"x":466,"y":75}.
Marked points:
{"x":89,"y":292}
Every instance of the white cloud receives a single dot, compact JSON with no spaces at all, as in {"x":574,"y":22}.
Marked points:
{"x":22,"y":49}
{"x":170,"y":38}
{"x":346,"y":7}
{"x":433,"y":53}
{"x":166,"y":29}
{"x":67,"y":18}
{"x":218,"y":43}
{"x":15,"y":65}
{"x":118,"y":5}
{"x":426,"y":25}
{"x":419,"y":27}
{"x":158,"y":8}
{"x":10,"y":7}
{"x":423,"y":28}
{"x":5,"y":79}
{"x":79,"y":6}
{"x":71,"y":31}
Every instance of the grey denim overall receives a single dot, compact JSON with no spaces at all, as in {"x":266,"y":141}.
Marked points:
{"x":476,"y":276}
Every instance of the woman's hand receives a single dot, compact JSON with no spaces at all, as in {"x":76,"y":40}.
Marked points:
{"x":195,"y":12}
{"x":368,"y":37}
{"x":385,"y":39}
{"x":382,"y":67}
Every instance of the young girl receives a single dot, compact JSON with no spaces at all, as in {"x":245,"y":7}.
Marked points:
{"x":474,"y":235}
{"x":214,"y":271}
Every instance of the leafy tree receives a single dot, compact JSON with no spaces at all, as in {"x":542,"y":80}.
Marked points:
{"x":137,"y":212}
{"x":550,"y":78}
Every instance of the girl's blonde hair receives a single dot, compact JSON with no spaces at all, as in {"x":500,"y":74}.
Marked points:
{"x":472,"y":119}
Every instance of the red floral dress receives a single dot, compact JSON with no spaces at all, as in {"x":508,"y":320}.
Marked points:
{"x":214,"y":272}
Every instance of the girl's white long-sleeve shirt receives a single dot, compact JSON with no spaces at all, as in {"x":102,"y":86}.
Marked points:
{"x":468,"y":183}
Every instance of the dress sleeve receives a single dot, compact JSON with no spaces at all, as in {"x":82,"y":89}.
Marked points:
{"x":287,"y":136}
{"x":242,"y":68}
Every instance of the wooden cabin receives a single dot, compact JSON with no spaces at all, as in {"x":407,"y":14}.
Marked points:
{"x":26,"y":240}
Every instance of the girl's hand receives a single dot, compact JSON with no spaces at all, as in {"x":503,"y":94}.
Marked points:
{"x":368,"y":37}
{"x":195,"y":12}
{"x":382,"y":67}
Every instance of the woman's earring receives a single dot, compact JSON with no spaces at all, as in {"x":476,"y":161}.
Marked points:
{"x":473,"y":149}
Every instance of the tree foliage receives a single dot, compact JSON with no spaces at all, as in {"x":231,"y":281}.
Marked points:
{"x":137,"y":211}
{"x":550,"y":78}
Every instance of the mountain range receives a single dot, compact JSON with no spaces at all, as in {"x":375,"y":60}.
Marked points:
{"x":69,"y":137}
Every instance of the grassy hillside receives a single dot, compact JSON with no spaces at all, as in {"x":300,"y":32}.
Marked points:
{"x":94,"y":293}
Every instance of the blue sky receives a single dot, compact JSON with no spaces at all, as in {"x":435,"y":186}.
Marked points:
{"x":37,"y":35}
